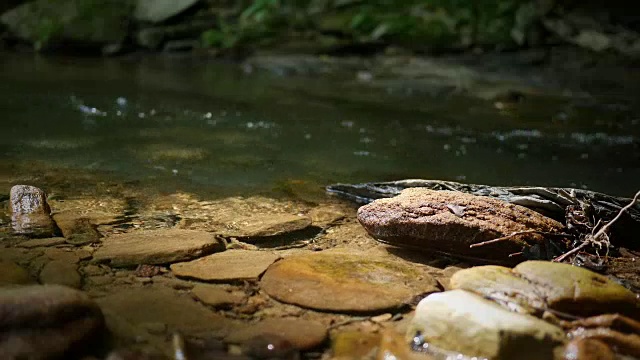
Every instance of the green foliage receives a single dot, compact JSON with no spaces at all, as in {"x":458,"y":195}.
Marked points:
{"x":415,"y":23}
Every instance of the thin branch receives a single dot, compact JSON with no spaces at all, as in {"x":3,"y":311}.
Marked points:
{"x":607,"y":225}
{"x":571,"y":252}
{"x":503,"y":238}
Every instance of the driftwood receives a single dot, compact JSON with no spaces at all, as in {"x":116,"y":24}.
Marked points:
{"x":585,"y":213}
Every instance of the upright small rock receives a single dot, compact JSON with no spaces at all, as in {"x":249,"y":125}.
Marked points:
{"x":30,"y":213}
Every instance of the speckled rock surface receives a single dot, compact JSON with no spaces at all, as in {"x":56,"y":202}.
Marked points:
{"x":449,"y":222}
{"x":30,"y":212}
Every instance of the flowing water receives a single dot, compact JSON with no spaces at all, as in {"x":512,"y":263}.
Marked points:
{"x":209,"y":127}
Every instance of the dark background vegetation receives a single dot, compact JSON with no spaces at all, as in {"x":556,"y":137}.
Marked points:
{"x":318,"y":26}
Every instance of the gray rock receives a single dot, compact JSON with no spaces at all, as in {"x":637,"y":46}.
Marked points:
{"x":47,"y":23}
{"x":450,"y":222}
{"x":60,"y":272}
{"x":461,"y":321}
{"x":150,"y":38}
{"x":156,"y":247}
{"x":30,"y":212}
{"x":156,"y":11}
{"x":47,"y":322}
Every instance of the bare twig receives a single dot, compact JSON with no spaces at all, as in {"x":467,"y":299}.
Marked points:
{"x":571,"y":252}
{"x":607,"y":225}
{"x":516,"y":233}
{"x":600,"y":238}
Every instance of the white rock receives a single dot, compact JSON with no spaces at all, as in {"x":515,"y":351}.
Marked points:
{"x":461,"y":321}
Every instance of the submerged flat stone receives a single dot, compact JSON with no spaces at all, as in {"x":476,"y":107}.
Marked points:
{"x":13,"y":274}
{"x":449,"y":222}
{"x":47,"y":321}
{"x":231,"y":265}
{"x":302,"y":334}
{"x":542,"y":284}
{"x":41,"y":242}
{"x":60,"y":272}
{"x":159,"y":305}
{"x":216,"y":296}
{"x":266,"y":225}
{"x":345,"y":282}
{"x":156,"y":247}
{"x":467,"y":323}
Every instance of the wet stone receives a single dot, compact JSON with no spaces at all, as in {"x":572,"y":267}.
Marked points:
{"x":30,"y":212}
{"x":267,"y":225}
{"x":449,"y":222}
{"x":155,"y":304}
{"x":156,"y":247}
{"x":326,"y":215}
{"x":93,"y":270}
{"x":66,"y":255}
{"x":300,"y":333}
{"x":231,"y":265}
{"x":160,"y":10}
{"x":345,"y":282}
{"x":41,"y":242}
{"x":464,"y":322}
{"x":76,"y":231}
{"x":47,"y":321}
{"x":542,"y":284}
{"x":13,"y":274}
{"x":355,"y":344}
{"x":60,"y":272}
{"x":588,"y":349}
{"x":215,"y":296}
{"x":100,"y":280}
{"x":19,"y":256}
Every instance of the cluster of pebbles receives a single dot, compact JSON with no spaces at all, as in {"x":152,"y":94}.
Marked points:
{"x":245,"y":278}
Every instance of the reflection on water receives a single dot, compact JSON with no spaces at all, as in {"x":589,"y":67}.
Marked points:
{"x":180,"y":123}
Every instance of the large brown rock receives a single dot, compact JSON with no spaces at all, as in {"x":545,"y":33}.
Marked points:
{"x":30,"y":212}
{"x":345,"y":282}
{"x":449,"y":222}
{"x":46,"y":322}
{"x":156,"y":247}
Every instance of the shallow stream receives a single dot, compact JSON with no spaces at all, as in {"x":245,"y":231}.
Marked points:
{"x":223,"y":129}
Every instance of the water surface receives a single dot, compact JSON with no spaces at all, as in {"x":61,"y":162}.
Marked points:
{"x":210,"y":127}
